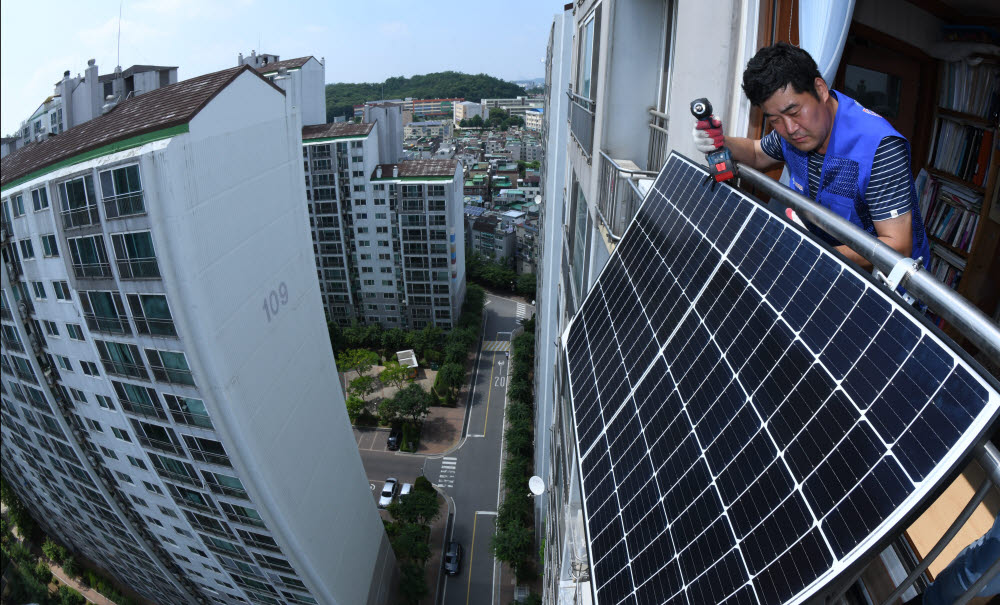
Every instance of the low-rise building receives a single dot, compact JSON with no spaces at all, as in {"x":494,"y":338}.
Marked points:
{"x":533,"y":118}
{"x":429,"y":129}
{"x":465,"y":110}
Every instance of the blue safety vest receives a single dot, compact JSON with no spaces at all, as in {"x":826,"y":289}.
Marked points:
{"x":847,"y":167}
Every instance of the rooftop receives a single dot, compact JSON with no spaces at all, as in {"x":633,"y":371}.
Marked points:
{"x":287,"y":64}
{"x":418,"y":169}
{"x":157,"y":110}
{"x":335,"y":130}
{"x":135,"y":69}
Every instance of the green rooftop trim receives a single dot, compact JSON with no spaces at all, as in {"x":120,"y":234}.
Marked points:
{"x":129,"y":143}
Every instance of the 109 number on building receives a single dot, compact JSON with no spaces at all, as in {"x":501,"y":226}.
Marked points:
{"x":274,"y":300}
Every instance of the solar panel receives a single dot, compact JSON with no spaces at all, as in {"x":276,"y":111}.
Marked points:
{"x":753,"y":417}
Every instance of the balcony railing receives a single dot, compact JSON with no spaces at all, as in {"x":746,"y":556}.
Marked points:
{"x":108,"y":325}
{"x":618,"y":196}
{"x":658,"y":151}
{"x":126,"y":204}
{"x":92,"y":270}
{"x":80,"y":217}
{"x":142,"y":409}
{"x":138,"y":268}
{"x":581,"y":121}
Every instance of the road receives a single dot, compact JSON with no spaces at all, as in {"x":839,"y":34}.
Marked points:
{"x":470,"y":474}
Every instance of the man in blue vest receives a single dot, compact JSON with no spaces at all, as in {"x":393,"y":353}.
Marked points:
{"x":844,"y":156}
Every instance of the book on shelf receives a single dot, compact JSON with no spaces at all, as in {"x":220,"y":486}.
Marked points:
{"x":950,"y":211}
{"x":945,"y":265}
{"x":963,"y":150}
{"x":971,"y":89}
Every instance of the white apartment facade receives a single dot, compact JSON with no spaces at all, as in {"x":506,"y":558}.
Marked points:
{"x":383,"y":232}
{"x":170,"y":409}
{"x":533,"y":119}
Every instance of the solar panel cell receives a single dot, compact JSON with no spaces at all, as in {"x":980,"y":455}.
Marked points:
{"x":750,"y":413}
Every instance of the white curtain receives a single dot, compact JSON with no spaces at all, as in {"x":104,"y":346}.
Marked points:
{"x":823,"y":26}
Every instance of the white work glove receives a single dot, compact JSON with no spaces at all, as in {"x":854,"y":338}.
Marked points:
{"x":707,"y":135}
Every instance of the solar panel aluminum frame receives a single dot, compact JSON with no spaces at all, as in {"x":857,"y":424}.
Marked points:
{"x":832,"y":581}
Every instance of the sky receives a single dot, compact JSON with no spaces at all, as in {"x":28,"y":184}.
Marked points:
{"x":365,"y":41}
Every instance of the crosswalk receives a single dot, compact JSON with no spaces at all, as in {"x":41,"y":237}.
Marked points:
{"x":446,"y":477}
{"x":521,"y":311}
{"x":495,"y":346}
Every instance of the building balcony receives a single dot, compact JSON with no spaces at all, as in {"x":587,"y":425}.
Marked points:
{"x":581,"y":121}
{"x":93,"y":270}
{"x":138,"y":268}
{"x":143,"y":409}
{"x":80,"y":217}
{"x":618,"y":196}
{"x":658,"y":151}
{"x":107,"y":325}
{"x":126,"y":204}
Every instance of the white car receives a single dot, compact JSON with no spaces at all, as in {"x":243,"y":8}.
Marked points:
{"x":405,"y":489}
{"x":388,"y":491}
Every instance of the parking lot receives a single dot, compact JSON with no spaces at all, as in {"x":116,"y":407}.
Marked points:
{"x":371,"y":438}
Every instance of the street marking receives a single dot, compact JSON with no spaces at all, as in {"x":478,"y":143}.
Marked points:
{"x":521,"y":309}
{"x":489,"y":393}
{"x":472,"y":551}
{"x":496,"y":346}
{"x":446,"y":475}
{"x":486,"y":512}
{"x":475,"y":435}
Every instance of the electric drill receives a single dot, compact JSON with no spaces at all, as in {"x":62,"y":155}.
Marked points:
{"x":720,"y":161}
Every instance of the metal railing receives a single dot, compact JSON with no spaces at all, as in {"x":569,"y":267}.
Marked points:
{"x":108,"y":325}
{"x":125,"y":204}
{"x":618,"y":197}
{"x":138,"y":268}
{"x":80,"y":217}
{"x":658,"y":151}
{"x":581,"y":121}
{"x":92,"y":270}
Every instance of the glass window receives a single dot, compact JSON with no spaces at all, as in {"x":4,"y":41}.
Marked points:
{"x":138,"y":399}
{"x":17,"y":203}
{"x":122,"y":191}
{"x":104,"y":312}
{"x":170,"y":366}
{"x":121,"y":359}
{"x":90,"y":258}
{"x":586,"y":57}
{"x":27,"y":249}
{"x":135,"y":256}
{"x":188,"y":410}
{"x":40,"y":199}
{"x":579,"y":240}
{"x":49,"y":246}
{"x":62,"y":290}
{"x":79,"y":202}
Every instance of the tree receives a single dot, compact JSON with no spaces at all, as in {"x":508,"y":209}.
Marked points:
{"x":450,"y":377}
{"x":411,"y":543}
{"x":53,"y":551}
{"x":388,"y":411}
{"x":363,"y":386}
{"x":395,"y":374}
{"x":427,"y":339}
{"x":526,"y":283}
{"x":512,"y":544}
{"x":42,"y":572}
{"x":355,"y":407}
{"x":393,"y":340}
{"x":418,"y":506}
{"x":476,"y":121}
{"x":412,"y":403}
{"x":412,"y":583}
{"x":71,"y":567}
{"x":360,"y":360}
{"x":337,"y":340}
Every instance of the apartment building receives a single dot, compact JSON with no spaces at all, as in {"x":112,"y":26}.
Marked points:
{"x":303,"y":79}
{"x":430,"y":128}
{"x":619,"y":79}
{"x":517,"y":106}
{"x":465,"y":110}
{"x":383,"y":234}
{"x":76,"y":100}
{"x":533,"y":119}
{"x":169,"y":402}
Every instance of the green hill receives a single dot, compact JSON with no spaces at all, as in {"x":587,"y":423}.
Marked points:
{"x":342,"y":97}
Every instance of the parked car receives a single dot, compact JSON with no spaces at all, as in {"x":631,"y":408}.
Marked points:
{"x":388,"y":492}
{"x":395,"y":438}
{"x":405,"y":489}
{"x":453,"y":558}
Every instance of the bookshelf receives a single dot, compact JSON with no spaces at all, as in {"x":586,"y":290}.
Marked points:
{"x":958,"y":187}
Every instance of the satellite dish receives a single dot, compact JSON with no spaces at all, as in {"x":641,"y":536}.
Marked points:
{"x":537,"y":485}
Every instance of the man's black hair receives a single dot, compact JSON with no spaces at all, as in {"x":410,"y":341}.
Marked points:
{"x":776,"y":66}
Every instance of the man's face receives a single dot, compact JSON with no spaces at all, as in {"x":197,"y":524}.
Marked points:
{"x":800,"y":118}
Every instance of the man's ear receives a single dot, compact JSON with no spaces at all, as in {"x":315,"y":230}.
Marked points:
{"x":822,"y":90}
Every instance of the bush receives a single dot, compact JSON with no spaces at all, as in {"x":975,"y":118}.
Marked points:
{"x":71,"y":567}
{"x":68,"y":596}
{"x":423,"y":484}
{"x":53,"y":551}
{"x":411,"y":438}
{"x":42,"y":572}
